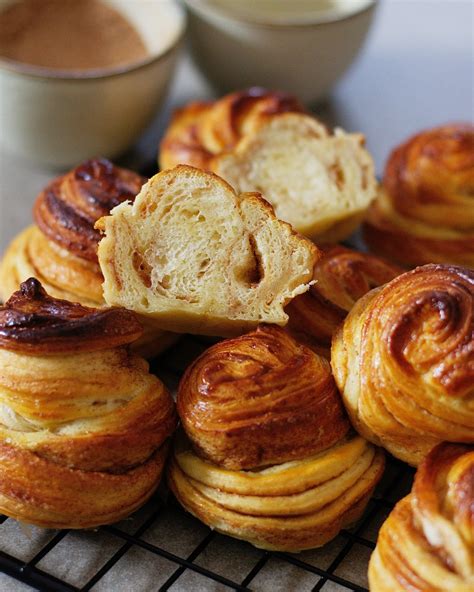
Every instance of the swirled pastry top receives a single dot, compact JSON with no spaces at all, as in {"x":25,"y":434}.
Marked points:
{"x":67,"y":209}
{"x":430,"y":178}
{"x":424,"y":212}
{"x":404,"y":361}
{"x":203,"y":129}
{"x":427,"y":543}
{"x":342,"y":276}
{"x":260,"y":399}
{"x":32,"y":321}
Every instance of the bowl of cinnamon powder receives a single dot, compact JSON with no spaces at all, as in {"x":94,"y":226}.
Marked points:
{"x":80,"y":78}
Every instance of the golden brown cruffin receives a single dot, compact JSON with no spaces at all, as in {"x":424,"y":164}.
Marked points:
{"x":260,"y":399}
{"x":427,"y":542}
{"x":270,"y":457}
{"x":61,"y":249}
{"x":404,"y":361}
{"x":258,"y":140}
{"x":197,"y":257}
{"x":424,"y":212}
{"x":341,"y":277}
{"x":83,"y":424}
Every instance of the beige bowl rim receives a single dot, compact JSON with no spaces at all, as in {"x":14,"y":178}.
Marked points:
{"x":228,"y":15}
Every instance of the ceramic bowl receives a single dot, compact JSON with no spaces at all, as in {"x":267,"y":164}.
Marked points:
{"x":58,"y":118}
{"x":304,"y":57}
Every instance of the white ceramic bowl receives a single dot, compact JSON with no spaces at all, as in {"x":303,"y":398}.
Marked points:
{"x":304,"y":57}
{"x":58,"y":118}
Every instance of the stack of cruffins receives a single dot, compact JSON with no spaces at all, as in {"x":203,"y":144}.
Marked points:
{"x":331,"y":355}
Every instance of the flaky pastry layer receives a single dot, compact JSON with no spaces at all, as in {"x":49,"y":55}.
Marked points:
{"x":62,"y":274}
{"x":287,"y":507}
{"x":61,"y":250}
{"x":46,"y":494}
{"x":201,"y":130}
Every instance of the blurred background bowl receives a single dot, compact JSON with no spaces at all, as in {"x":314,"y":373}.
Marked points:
{"x":57,"y":118}
{"x":234,"y":49}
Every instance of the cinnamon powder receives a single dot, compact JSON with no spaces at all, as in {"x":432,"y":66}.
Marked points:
{"x":68,"y":35}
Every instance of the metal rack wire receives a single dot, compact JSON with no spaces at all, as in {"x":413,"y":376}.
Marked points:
{"x":334,"y":575}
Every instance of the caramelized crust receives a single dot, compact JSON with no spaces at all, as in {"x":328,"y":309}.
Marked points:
{"x":426,"y":544}
{"x":424,"y":211}
{"x":260,"y":399}
{"x":201,"y":130}
{"x":404,"y":361}
{"x":83,"y":424}
{"x":341,"y":276}
{"x":68,"y":208}
{"x":33,"y":322}
{"x":62,"y":250}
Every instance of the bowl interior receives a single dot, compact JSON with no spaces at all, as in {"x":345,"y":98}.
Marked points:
{"x":159,"y":22}
{"x":282,"y":13}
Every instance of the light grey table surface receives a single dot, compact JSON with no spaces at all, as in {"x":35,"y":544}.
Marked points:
{"x":415,"y":71}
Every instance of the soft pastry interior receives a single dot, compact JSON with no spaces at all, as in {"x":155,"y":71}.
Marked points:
{"x":60,"y":250}
{"x":427,"y":542}
{"x":200,"y":258}
{"x":268,"y":455}
{"x":341,"y":276}
{"x":319,"y":182}
{"x":424,"y":211}
{"x":404,"y":361}
{"x":84,"y":426}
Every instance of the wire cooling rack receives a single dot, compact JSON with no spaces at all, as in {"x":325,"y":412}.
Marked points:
{"x":164,"y":548}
